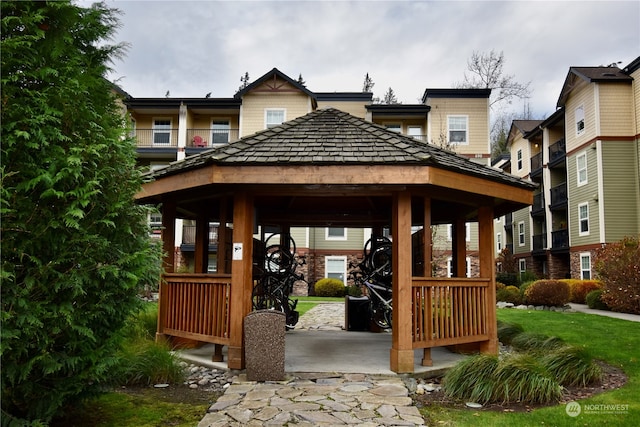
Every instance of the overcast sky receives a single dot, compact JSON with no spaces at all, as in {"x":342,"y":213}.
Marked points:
{"x":191,"y":48}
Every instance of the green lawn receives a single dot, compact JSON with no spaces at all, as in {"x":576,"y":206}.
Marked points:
{"x":307,"y":303}
{"x":617,"y":342}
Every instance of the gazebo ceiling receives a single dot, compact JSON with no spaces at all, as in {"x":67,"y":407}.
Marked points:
{"x":331,"y":168}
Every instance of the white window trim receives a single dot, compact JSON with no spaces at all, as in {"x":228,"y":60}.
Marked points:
{"x":467,"y":267}
{"x":336,"y":258}
{"x":327,"y":237}
{"x":588,"y":256}
{"x":576,"y":116}
{"x":522,"y":266}
{"x":580,"y":219}
{"x":419,"y":136}
{"x":284,"y":116}
{"x":466,"y":118}
{"x":153,"y":132}
{"x":523,"y":234}
{"x":580,"y":182}
{"x":394,"y":126}
{"x":499,"y":242}
{"x":519,"y":160}
{"x":467,"y":231}
{"x":221,"y":119}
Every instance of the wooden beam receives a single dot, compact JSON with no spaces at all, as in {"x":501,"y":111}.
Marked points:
{"x":486,"y":251}
{"x":459,"y":247}
{"x":241,"y":276}
{"x":402,"y":344}
{"x":201,"y":254}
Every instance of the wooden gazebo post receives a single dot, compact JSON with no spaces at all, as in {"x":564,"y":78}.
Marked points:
{"x":168,"y":235}
{"x":487,"y":269}
{"x":428,"y":266}
{"x":241,"y":275}
{"x":402,"y":344}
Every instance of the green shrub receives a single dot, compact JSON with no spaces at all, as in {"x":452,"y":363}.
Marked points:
{"x":507,"y":331}
{"x":354,"y":291}
{"x":594,"y":300}
{"x":145,"y":362}
{"x":531,"y":341}
{"x":472,"y":379}
{"x":521,"y":378}
{"x":328,"y":287}
{"x":509,"y":294}
{"x":571,"y":366}
{"x":523,"y":291}
{"x":618,"y":266}
{"x":508,"y":279}
{"x":527,"y":276}
{"x":578,"y":289}
{"x":548,"y":292}
{"x":500,"y":285}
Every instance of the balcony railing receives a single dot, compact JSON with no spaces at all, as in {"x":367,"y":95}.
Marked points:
{"x":508,"y":221}
{"x":204,"y":138}
{"x":536,"y":164}
{"x":559,"y":196}
{"x":539,"y":242}
{"x":537,"y":208}
{"x":557,"y":152}
{"x":156,"y":138}
{"x":560,"y":239}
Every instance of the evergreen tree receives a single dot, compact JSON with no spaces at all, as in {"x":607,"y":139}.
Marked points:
{"x":244,"y":80}
{"x":301,"y":81}
{"x":368,"y":84}
{"x":390,"y":97}
{"x":75,"y":246}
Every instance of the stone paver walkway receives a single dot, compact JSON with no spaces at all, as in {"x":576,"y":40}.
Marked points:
{"x":315,"y":400}
{"x":322,"y":399}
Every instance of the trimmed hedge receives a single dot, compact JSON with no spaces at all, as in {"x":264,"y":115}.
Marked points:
{"x":328,"y":287}
{"x":578,"y":289}
{"x":548,"y":292}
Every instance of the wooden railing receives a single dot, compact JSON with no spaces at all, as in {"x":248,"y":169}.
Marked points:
{"x":196,"y":306}
{"x":449,"y":311}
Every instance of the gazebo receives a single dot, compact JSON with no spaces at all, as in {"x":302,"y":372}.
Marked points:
{"x":329,"y":168}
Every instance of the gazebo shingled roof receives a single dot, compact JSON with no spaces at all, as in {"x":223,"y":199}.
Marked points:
{"x":330,"y":136}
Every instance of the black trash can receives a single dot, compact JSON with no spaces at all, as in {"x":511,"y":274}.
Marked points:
{"x":357,"y":313}
{"x":264,"y":345}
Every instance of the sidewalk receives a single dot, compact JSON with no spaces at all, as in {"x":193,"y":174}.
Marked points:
{"x":583,"y":308}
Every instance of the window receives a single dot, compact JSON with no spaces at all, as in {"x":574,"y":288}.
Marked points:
{"x":583,"y":218}
{"x":499,"y":242}
{"x":396,"y":127}
{"x":522,"y":266}
{"x":274,"y":118}
{"x":579,"y":115}
{"x":521,"y":233}
{"x":220,"y":131}
{"x":336,"y":233}
{"x":162,"y":131}
{"x":467,"y":232}
{"x":585,"y":266}
{"x":335,"y":267}
{"x":155,"y":223}
{"x":581,"y":168}
{"x":415,"y":132}
{"x":450,"y":267}
{"x":458,"y":129}
{"x":519,"y":156}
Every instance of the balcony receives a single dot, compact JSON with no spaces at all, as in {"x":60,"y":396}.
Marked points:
{"x":560,"y":241}
{"x":508,"y":222}
{"x":207,"y":138}
{"x":156,"y":138}
{"x":189,"y":238}
{"x":537,"y":208}
{"x":539,"y":244}
{"x":559,"y":198}
{"x":558,"y":153}
{"x":536,"y":165}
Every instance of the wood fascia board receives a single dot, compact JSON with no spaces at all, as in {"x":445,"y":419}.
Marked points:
{"x":184,"y":181}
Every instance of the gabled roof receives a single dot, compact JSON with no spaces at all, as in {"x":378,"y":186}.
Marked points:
{"x":332,"y":137}
{"x":523,"y":127}
{"x":590,"y":75}
{"x":273,"y":74}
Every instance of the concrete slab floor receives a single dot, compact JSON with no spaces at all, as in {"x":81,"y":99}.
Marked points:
{"x":335,"y":351}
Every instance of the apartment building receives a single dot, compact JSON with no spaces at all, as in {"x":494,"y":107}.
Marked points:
{"x":585,"y":158}
{"x":170,"y":129}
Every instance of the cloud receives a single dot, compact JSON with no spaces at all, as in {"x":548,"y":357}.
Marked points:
{"x":192,"y":48}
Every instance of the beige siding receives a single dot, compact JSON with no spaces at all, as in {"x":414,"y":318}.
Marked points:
{"x":146,"y":121}
{"x":636,"y":100}
{"x":478,"y":112}
{"x":583,"y":194}
{"x":255,"y":103}
{"x":621,"y":200}
{"x":354,"y":241}
{"x":521,"y":144}
{"x":580,"y":97}
{"x":616,"y":110}
{"x":357,"y":109}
